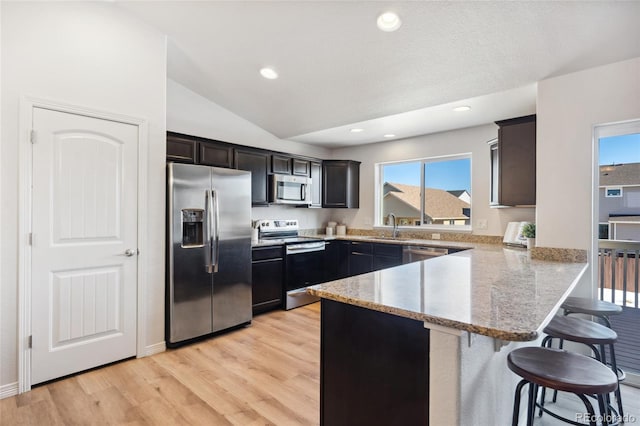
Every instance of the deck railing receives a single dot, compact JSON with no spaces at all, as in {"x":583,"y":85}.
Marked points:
{"x":619,"y":271}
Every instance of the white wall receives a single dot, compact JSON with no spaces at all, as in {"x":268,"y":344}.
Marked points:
{"x":472,"y":139}
{"x":193,"y":114}
{"x":568,"y":108}
{"x":91,"y":55}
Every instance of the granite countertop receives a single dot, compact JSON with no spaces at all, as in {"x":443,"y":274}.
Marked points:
{"x":490,"y":290}
{"x":372,"y":239}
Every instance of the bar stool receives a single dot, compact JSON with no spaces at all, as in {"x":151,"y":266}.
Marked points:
{"x":563,"y":371}
{"x":594,"y":307}
{"x":589,"y":333}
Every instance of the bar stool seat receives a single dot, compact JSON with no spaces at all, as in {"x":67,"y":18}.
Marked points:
{"x":564,"y":371}
{"x":591,"y":334}
{"x":580,"y":330}
{"x":597,"y":308}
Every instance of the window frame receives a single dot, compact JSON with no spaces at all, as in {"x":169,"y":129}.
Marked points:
{"x":379,"y":177}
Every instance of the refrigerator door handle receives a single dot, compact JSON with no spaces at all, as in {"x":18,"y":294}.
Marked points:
{"x":216,"y":232}
{"x":208,"y":203}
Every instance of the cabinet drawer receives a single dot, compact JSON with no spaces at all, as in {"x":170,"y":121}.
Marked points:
{"x":390,"y":250}
{"x":267,"y":253}
{"x":364,"y":248}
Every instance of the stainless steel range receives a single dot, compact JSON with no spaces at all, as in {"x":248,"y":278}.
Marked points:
{"x":304,"y":261}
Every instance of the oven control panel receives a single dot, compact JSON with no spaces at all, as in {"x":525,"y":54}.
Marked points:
{"x":277,"y":225}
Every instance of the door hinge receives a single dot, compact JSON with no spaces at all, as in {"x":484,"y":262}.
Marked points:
{"x":32,"y":136}
{"x":30,"y":239}
{"x":30,"y":342}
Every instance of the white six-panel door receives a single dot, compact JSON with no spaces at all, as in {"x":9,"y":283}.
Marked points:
{"x":84,"y":244}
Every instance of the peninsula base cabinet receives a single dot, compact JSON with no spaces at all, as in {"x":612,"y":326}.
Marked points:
{"x":374,"y":367}
{"x":267,"y":269}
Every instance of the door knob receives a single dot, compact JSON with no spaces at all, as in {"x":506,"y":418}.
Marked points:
{"x":129,"y":252}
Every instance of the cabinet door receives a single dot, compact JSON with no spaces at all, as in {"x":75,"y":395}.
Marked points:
{"x":216,"y":154}
{"x":181,"y":148}
{"x":386,"y":256}
{"x":360,"y":258}
{"x":340,"y":184}
{"x":280,"y":164}
{"x":257,"y":163}
{"x":517,"y":161}
{"x":316,"y":184}
{"x":300,"y":167}
{"x":336,"y":260}
{"x":267,"y":284}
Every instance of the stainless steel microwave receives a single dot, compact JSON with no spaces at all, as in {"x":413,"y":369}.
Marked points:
{"x":286,"y":189}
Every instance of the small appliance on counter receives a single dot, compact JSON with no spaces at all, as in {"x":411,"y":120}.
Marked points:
{"x":330,"y":230}
{"x":513,"y":235}
{"x":304,"y":260}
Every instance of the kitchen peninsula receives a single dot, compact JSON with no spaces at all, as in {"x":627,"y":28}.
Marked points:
{"x":426,"y":342}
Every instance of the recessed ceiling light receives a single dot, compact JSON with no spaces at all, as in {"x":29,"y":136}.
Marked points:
{"x":356,"y":130}
{"x":462,"y":108}
{"x":389,"y":135}
{"x":389,"y":21}
{"x":269,"y":73}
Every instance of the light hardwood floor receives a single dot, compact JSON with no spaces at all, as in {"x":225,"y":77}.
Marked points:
{"x":265,"y":374}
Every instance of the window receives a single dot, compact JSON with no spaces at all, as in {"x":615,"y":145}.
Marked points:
{"x":434,"y":192}
{"x":613,"y":192}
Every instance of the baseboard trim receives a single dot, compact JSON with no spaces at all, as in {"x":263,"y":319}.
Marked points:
{"x":8,"y":390}
{"x":154,"y":349}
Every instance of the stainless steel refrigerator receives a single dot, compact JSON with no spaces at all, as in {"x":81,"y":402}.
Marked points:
{"x":208,"y":250}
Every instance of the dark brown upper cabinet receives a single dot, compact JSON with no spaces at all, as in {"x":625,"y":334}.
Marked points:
{"x":300,"y":167}
{"x":181,"y":148}
{"x":516,"y":174}
{"x":256,"y":162}
{"x":280,"y":164}
{"x":316,"y":184}
{"x":217,"y":154}
{"x":340,"y":184}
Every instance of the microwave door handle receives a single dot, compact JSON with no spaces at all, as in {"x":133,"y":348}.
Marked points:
{"x":303,"y":192}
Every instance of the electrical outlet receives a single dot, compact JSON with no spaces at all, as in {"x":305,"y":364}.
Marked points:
{"x":481,"y":224}
{"x":435,"y":236}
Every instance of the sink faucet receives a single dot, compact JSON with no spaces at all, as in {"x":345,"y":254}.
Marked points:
{"x":392,"y":217}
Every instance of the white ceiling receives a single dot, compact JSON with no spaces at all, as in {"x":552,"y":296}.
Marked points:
{"x":338,"y":71}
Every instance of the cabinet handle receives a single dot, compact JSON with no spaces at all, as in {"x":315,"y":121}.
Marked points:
{"x":277,"y":259}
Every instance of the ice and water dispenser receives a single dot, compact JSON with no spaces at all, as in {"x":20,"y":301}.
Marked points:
{"x":192,"y":228}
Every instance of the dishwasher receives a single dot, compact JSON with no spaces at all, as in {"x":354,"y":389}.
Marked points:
{"x":417,"y":253}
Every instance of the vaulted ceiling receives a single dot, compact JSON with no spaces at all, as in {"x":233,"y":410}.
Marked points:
{"x":337,"y":70}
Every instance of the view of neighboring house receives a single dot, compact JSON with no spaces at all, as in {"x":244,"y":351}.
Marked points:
{"x":440,"y":206}
{"x":620,"y":202}
{"x":461,"y":194}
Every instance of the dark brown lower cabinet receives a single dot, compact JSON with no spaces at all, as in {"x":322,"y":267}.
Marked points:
{"x":267,"y":269}
{"x":374,"y":368}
